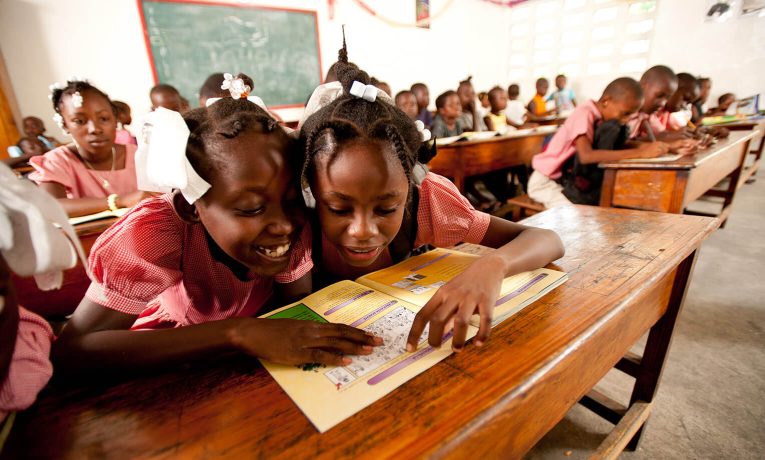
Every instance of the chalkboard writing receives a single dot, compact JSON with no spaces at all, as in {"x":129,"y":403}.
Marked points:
{"x":279,"y":49}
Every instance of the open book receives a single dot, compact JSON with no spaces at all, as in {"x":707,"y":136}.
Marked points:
{"x":385,"y":302}
{"x":510,"y":132}
{"x":98,"y":216}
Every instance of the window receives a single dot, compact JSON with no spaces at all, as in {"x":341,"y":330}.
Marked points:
{"x":579,"y":38}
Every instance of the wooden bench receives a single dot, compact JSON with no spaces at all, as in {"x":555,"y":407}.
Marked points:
{"x":522,"y":206}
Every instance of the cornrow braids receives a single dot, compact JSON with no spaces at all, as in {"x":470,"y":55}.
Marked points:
{"x":227,"y":119}
{"x":349,"y":118}
{"x":76,"y":86}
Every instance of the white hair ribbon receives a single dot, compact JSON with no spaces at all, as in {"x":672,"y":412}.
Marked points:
{"x":425,"y":134}
{"x":254,"y":99}
{"x":324,"y":94}
{"x":35,"y":235}
{"x":366,"y":92}
{"x":161,"y":162}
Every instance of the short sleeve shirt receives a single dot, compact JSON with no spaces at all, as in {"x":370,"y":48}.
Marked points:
{"x":561,"y":147}
{"x":153,"y":264}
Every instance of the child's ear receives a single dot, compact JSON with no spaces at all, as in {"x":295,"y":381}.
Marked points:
{"x":187,"y":212}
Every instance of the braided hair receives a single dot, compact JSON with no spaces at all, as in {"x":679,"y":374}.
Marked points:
{"x":227,"y":119}
{"x":76,"y":86}
{"x":349,"y":118}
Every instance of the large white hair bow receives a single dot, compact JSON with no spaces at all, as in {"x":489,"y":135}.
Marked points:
{"x":35,"y":235}
{"x":324,"y":94}
{"x":161,"y":162}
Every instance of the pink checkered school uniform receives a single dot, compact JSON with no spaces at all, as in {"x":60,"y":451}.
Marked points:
{"x":62,"y":166}
{"x":153,"y":264}
{"x":30,"y":367}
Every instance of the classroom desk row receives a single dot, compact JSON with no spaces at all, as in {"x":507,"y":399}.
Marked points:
{"x":651,"y":186}
{"x":628,"y":270}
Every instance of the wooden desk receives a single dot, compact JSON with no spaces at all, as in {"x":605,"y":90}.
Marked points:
{"x":470,"y":158}
{"x":629,"y":271}
{"x":671,"y":186}
{"x":757,"y":126}
{"x":59,"y":303}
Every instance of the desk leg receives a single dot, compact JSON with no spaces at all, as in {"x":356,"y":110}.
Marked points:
{"x":607,"y":189}
{"x":659,"y":341}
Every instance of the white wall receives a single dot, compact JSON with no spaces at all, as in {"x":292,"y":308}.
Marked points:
{"x":48,"y":40}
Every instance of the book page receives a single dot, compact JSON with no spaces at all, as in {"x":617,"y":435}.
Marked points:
{"x":417,"y":279}
{"x":98,"y":216}
{"x":330,"y":394}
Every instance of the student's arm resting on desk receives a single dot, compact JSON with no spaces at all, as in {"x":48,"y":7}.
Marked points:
{"x":76,"y":207}
{"x":518,"y":249}
{"x":588,"y":155}
{"x":97,"y":339}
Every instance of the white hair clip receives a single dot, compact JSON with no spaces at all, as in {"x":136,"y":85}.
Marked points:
{"x":75,"y":78}
{"x":161,"y":163}
{"x":424,"y":133}
{"x":56,"y":85}
{"x":366,"y":92}
{"x":236,"y":86}
{"x":77,"y":100}
{"x":59,"y":120}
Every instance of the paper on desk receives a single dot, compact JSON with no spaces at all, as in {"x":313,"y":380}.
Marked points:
{"x":662,"y":159}
{"x":98,"y":216}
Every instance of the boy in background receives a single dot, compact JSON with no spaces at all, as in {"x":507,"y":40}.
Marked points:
{"x":164,"y":95}
{"x":446,"y":122}
{"x":564,"y":98}
{"x":406,"y":101}
{"x":537,"y":106}
{"x":620,"y":100}
{"x":420,"y":91}
{"x":470,"y":117}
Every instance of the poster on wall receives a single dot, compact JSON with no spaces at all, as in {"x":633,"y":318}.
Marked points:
{"x":422,"y":7}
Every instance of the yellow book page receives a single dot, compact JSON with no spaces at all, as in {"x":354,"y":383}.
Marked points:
{"x":328,"y":395}
{"x":417,"y":279}
{"x":98,"y":216}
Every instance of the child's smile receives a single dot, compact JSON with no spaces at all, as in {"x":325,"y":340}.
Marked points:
{"x":361,"y":207}
{"x":253,"y":211}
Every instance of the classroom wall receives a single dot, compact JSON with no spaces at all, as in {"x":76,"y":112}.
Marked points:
{"x":104,"y":42}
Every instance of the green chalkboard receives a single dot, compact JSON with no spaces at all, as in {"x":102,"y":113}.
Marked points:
{"x":279,"y":49}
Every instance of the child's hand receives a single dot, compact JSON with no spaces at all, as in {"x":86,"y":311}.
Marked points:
{"x":684,"y":146}
{"x":474,"y":290}
{"x":653,"y":149}
{"x":291,"y":341}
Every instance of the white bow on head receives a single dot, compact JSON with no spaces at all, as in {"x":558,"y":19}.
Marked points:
{"x":161,"y":163}
{"x":324,"y":94}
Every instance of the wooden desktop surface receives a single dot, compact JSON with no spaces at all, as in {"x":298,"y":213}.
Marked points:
{"x":470,"y":158}
{"x":671,"y":186}
{"x":757,"y":126}
{"x":626,"y":270}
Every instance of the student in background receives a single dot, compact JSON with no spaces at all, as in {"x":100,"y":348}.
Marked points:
{"x":382,"y":85}
{"x":564,"y":98}
{"x":164,"y":95}
{"x":92,"y":174}
{"x":34,"y":128}
{"x":124,"y":118}
{"x":537,"y":106}
{"x":182,"y":276}
{"x":211,"y":88}
{"x":470,"y":118}
{"x":515,"y":111}
{"x":677,"y":112}
{"x":406,"y":101}
{"x":361,"y":166}
{"x":723,"y":104}
{"x":620,"y":100}
{"x":483,"y":98}
{"x":658,"y":83}
{"x":446,"y":122}
{"x":25,"y":149}
{"x":699,"y":107}
{"x":496,"y":120}
{"x":422,"y":94}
